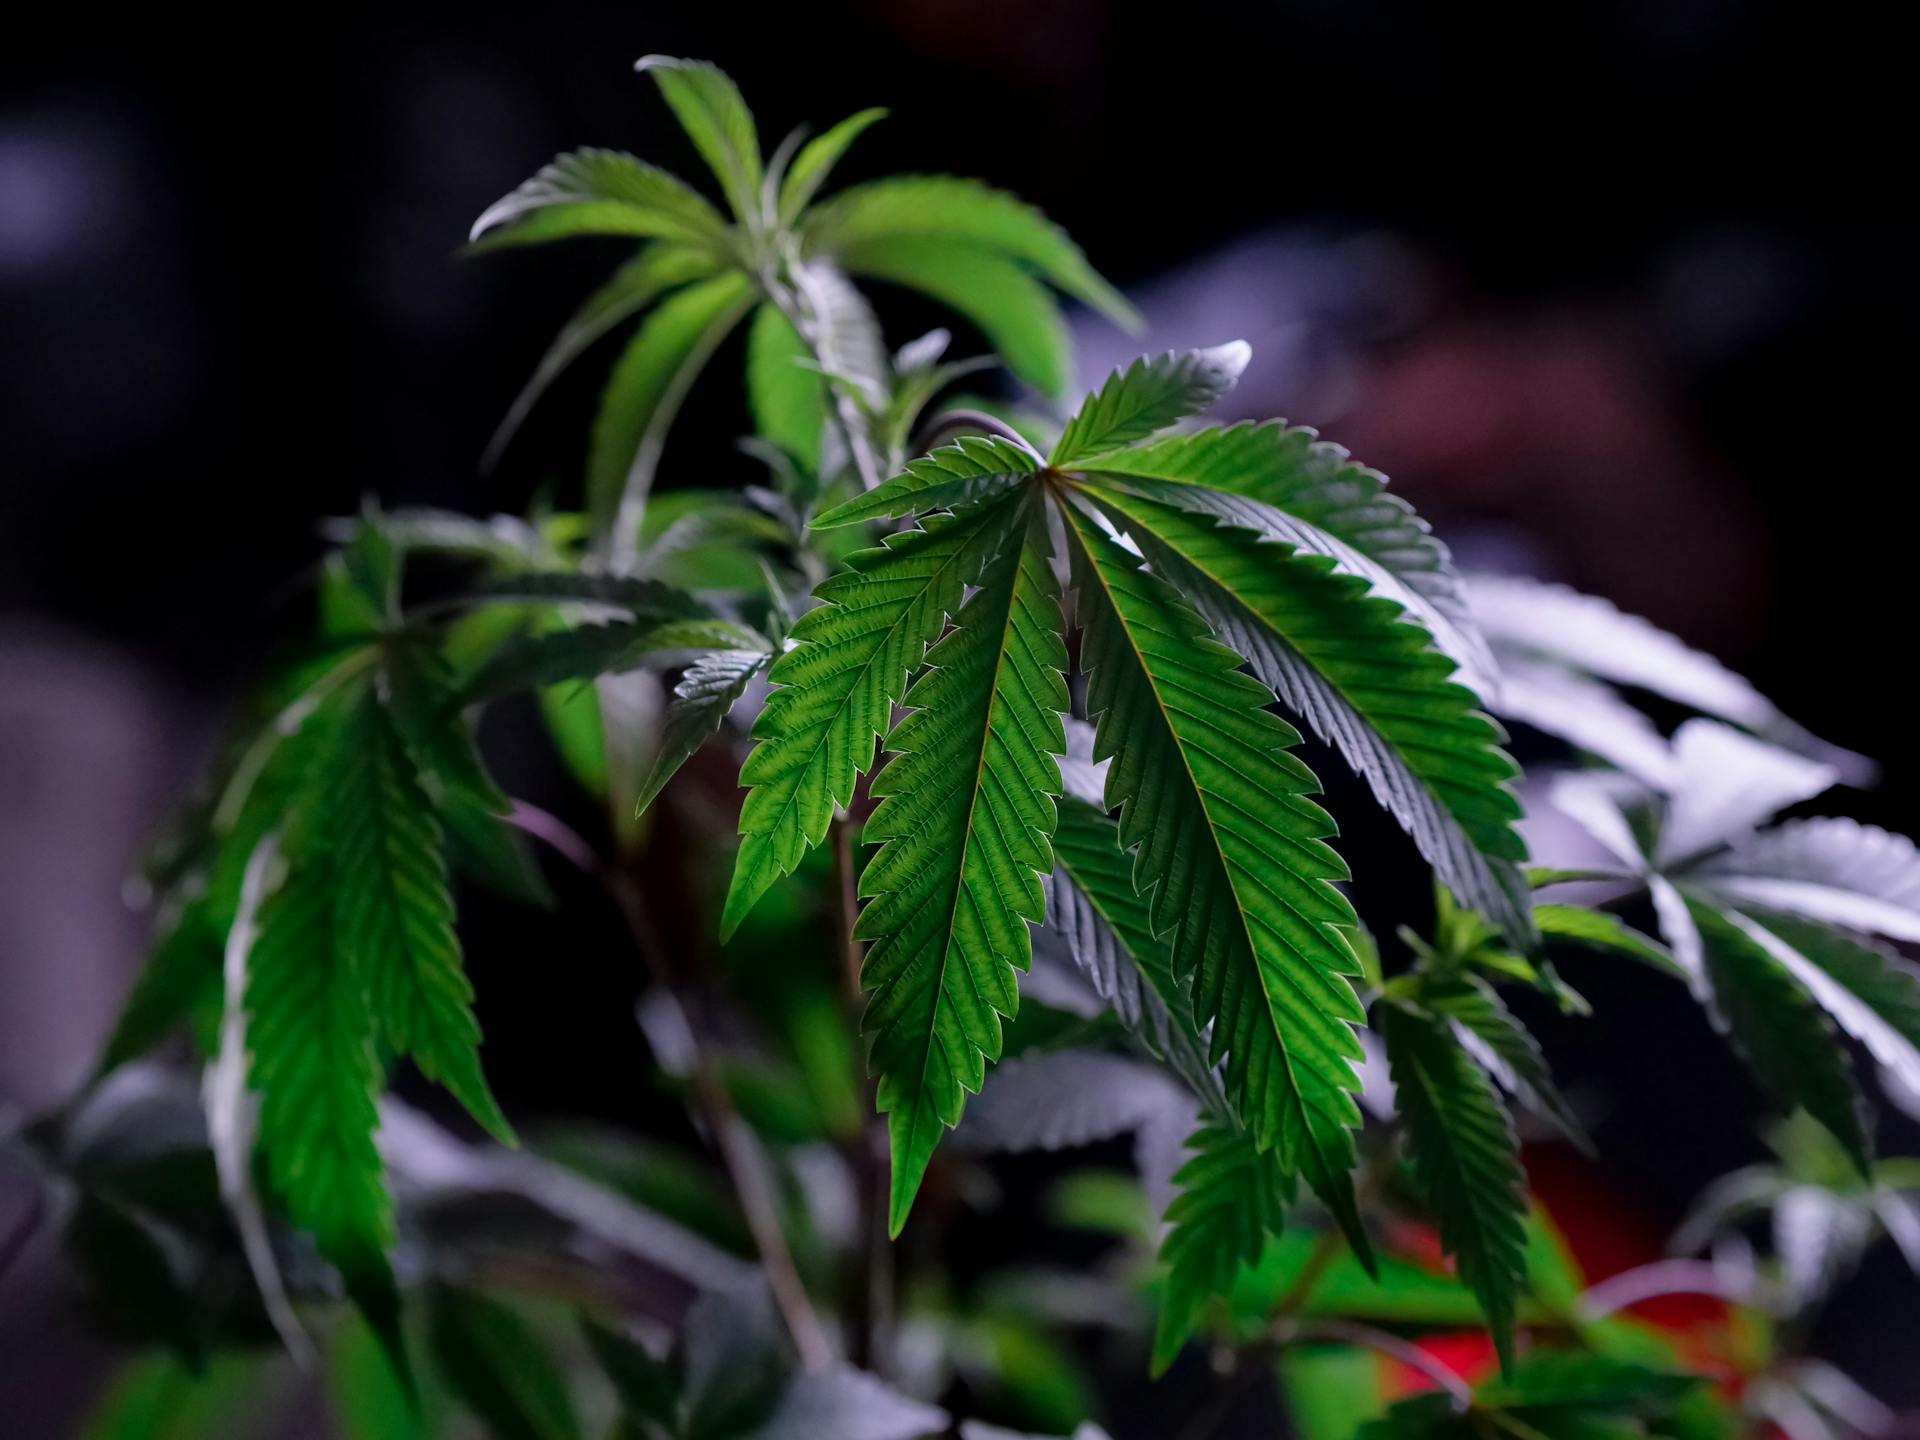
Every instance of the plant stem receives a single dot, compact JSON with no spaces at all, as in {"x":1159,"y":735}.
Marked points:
{"x":742,"y":1158}
{"x":1349,"y":1332}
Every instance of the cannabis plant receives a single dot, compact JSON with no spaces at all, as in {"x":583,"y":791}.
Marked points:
{"x":1040,"y":680}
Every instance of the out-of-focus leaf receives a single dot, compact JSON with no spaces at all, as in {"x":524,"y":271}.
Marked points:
{"x":1836,"y":870}
{"x":710,"y":109}
{"x":599,"y":192}
{"x":1601,"y":931}
{"x":702,"y":698}
{"x":1465,"y":1157}
{"x":1729,"y":784}
{"x":1788,"y":1041}
{"x":1330,"y":1390}
{"x":158,"y":1397}
{"x":501,"y":1368}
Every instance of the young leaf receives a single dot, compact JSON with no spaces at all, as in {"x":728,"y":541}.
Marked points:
{"x":835,"y":690}
{"x":1011,"y":308}
{"x":701,"y":701}
{"x":816,"y":161}
{"x":716,"y":119}
{"x":966,"y":809}
{"x":1366,"y":678}
{"x":1233,"y":1195}
{"x":1234,"y":852}
{"x":654,"y":272}
{"x":1495,"y":1037}
{"x":1604,"y":932}
{"x":392,"y":914}
{"x":1465,"y":1157}
{"x":1788,"y":1041}
{"x":599,"y":192}
{"x":970,"y":214}
{"x":972,"y":470}
{"x":1148,"y":395}
{"x":650,"y":379}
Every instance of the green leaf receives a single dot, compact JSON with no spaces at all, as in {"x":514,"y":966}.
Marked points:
{"x":788,"y":399}
{"x":1465,"y":1158}
{"x":654,"y":272}
{"x":1786,"y":1038}
{"x":1104,"y":924}
{"x":1013,"y":310}
{"x":1366,"y":678}
{"x":599,"y":192}
{"x":158,"y":1397}
{"x":1291,"y":469}
{"x":181,"y":975}
{"x":1330,"y":1390}
{"x":1567,"y":1379}
{"x":966,"y":809}
{"x":701,"y":701}
{"x":1148,"y":395}
{"x":501,"y":1369}
{"x":644,"y":599}
{"x":648,"y":1388}
{"x":1235,"y":854}
{"x":1871,"y":993}
{"x":816,"y":161}
{"x":950,"y":209}
{"x":834,"y":691}
{"x":648,"y":383}
{"x":582,"y":652}
{"x":716,"y":119}
{"x":1233,"y":1195}
{"x":310,"y":1037}
{"x":1505,"y":1048}
{"x":392,"y":914}
{"x":1601,"y":931}
{"x":972,"y":470}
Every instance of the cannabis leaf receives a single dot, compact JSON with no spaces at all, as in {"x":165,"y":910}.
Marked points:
{"x":1232,"y":1196}
{"x":1235,"y":855}
{"x":1560,"y":651}
{"x":702,"y":699}
{"x":783,"y":260}
{"x":1464,"y":1156}
{"x":1227,"y":849}
{"x":965,"y":811}
{"x":1367,"y":679}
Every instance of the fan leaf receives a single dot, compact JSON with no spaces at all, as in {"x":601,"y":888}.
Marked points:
{"x":816,"y":160}
{"x":1367,"y":679}
{"x":1235,"y":855}
{"x":966,"y":809}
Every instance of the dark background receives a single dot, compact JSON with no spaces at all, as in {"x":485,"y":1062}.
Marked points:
{"x":1620,"y":294}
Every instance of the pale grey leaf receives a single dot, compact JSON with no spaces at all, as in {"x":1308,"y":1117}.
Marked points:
{"x":1730,"y":784}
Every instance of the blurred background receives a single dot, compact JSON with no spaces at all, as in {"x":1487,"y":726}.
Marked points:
{"x":1616,"y":294}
